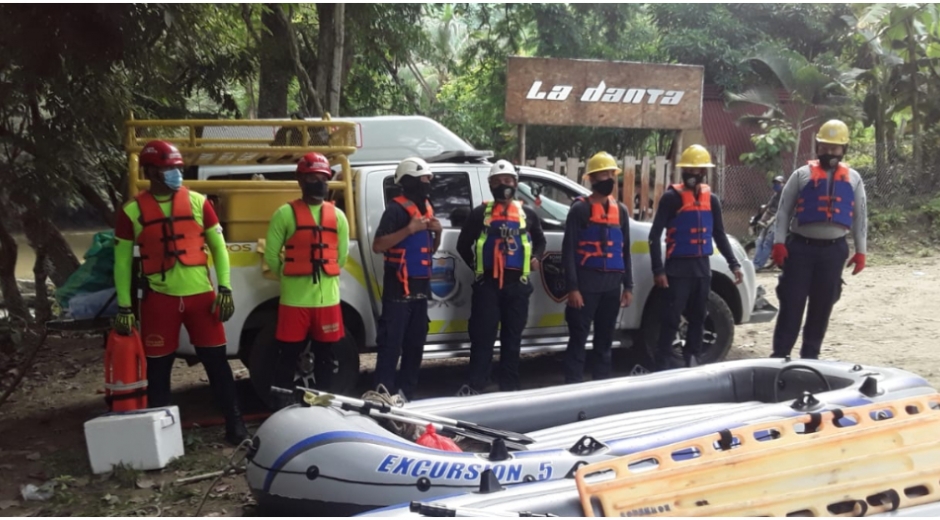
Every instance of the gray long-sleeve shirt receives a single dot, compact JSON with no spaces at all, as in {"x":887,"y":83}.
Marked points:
{"x":786,"y":212}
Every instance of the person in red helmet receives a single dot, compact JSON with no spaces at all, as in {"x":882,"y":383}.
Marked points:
{"x":173,"y":226}
{"x":314,"y":235}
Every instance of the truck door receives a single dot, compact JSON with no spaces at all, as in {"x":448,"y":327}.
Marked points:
{"x":454,"y":192}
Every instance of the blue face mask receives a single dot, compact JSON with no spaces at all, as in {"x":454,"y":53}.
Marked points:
{"x":778,"y":187}
{"x":173,"y":179}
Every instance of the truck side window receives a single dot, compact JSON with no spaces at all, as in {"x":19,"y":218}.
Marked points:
{"x":449,"y":192}
{"x":554,"y":201}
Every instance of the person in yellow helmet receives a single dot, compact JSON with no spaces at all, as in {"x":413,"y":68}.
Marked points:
{"x":691,"y":216}
{"x":820,"y":204}
{"x":598,"y":270}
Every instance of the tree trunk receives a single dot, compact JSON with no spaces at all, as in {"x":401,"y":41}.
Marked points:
{"x":45,"y":237}
{"x":276,"y":66}
{"x":11,"y":292}
{"x":881,"y":165}
{"x":325,"y":52}
{"x":915,"y":99}
{"x":312,"y":102}
{"x":43,"y":308}
{"x":93,"y":196}
{"x":336,"y":68}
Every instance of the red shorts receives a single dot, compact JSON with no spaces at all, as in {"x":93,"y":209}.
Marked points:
{"x":162,"y":315}
{"x":323,"y":324}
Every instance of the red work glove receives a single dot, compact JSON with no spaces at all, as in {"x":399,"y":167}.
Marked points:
{"x":779,"y":254}
{"x":859,"y":261}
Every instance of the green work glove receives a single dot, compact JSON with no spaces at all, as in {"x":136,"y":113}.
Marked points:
{"x":124,"y":322}
{"x":224,"y":303}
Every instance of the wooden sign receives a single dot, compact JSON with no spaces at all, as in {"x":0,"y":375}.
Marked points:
{"x":551,"y":91}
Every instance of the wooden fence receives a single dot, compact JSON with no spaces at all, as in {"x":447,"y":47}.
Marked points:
{"x":636,"y":177}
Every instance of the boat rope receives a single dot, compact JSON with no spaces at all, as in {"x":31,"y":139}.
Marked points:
{"x":381,"y":395}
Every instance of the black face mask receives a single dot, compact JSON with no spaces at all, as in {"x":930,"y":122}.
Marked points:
{"x":691,"y":180}
{"x":414,"y":189}
{"x":315,"y":189}
{"x":503,"y":192}
{"x":829,"y":161}
{"x":604,"y":188}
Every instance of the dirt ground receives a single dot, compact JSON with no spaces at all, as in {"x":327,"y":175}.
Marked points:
{"x":885,"y":317}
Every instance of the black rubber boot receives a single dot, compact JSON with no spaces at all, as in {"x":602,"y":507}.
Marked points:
{"x":222,"y":384}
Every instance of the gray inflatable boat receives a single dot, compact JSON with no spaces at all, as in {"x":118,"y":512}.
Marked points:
{"x":321,"y":460}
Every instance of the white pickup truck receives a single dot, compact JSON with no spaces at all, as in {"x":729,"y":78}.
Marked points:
{"x":247,"y":188}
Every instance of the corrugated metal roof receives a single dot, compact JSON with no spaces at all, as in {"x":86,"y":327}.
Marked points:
{"x":721,"y":126}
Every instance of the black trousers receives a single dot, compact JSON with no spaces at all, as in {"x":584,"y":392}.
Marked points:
{"x":215,"y":362}
{"x":402,"y":332}
{"x":602,"y":309}
{"x":508,"y":310}
{"x":684,"y":297}
{"x":286,"y":366}
{"x":812,"y":271}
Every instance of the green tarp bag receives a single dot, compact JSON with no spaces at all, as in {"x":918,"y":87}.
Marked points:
{"x":96,"y":274}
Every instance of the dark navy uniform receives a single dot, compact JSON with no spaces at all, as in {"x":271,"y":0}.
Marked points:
{"x":403,"y":326}
{"x":596,"y":258}
{"x":693,"y":224}
{"x":497,"y":242}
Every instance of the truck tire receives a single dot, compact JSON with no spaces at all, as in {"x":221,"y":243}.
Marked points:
{"x":263,"y":358}
{"x":719,"y":329}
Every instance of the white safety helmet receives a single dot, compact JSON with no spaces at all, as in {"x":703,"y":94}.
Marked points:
{"x":412,"y":166}
{"x":503,"y":167}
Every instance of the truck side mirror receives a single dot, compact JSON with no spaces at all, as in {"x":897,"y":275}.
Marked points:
{"x":459,"y":216}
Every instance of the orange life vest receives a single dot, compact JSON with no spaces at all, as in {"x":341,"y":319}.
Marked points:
{"x":312,"y":247}
{"x":600,"y":244}
{"x":412,"y":256}
{"x":166,"y":239}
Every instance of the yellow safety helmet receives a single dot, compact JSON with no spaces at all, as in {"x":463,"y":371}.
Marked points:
{"x":833,"y":132}
{"x":695,"y":156}
{"x":600,"y":162}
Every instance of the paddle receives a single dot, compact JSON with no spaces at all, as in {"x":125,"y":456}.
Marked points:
{"x":440,"y":510}
{"x":467,"y":429}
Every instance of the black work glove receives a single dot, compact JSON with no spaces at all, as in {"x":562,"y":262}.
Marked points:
{"x":224,"y":303}
{"x":124,"y":321}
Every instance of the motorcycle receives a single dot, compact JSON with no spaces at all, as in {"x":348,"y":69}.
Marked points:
{"x":755,"y":232}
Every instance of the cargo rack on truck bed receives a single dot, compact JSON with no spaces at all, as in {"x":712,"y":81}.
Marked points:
{"x":249,"y":204}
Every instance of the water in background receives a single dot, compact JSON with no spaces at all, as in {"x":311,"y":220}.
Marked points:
{"x":79,"y":240}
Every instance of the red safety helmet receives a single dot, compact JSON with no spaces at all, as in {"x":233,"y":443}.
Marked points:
{"x":314,"y":162}
{"x":160,"y":154}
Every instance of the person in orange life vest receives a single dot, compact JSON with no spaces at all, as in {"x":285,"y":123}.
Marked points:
{"x":314,"y":235}
{"x":691,"y":216}
{"x":820,"y":203}
{"x":408,"y":235}
{"x":598,"y":269}
{"x":502,"y":242}
{"x":172,"y":226}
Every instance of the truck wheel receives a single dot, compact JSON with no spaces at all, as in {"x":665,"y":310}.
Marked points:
{"x":719,"y":329}
{"x":263,"y":358}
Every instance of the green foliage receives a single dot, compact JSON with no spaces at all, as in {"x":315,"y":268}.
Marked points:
{"x":778,"y":138}
{"x":886,"y":221}
{"x":931,"y":210}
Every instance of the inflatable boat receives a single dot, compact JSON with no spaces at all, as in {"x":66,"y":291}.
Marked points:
{"x":331,"y":461}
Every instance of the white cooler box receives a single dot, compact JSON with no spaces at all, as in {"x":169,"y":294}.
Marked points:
{"x":142,"y":439}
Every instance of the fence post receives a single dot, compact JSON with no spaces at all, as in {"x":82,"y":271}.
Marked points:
{"x":541,"y":163}
{"x":556,"y":165}
{"x":629,"y":180}
{"x":644,"y":187}
{"x":660,"y":180}
{"x":571,"y":168}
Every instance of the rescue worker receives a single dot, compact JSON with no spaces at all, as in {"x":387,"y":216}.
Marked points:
{"x":501,"y":242}
{"x":409,"y":235}
{"x":765,"y":241}
{"x":172,"y":226}
{"x":819,"y":205}
{"x":314,"y":235}
{"x":598,"y":269}
{"x":691,"y":216}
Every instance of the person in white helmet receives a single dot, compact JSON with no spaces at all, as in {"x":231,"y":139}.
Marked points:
{"x":502,"y":242}
{"x":408,"y":235}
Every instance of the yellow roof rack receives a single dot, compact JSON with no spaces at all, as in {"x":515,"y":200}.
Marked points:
{"x":247,"y":142}
{"x":244,"y":141}
{"x":854,"y":461}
